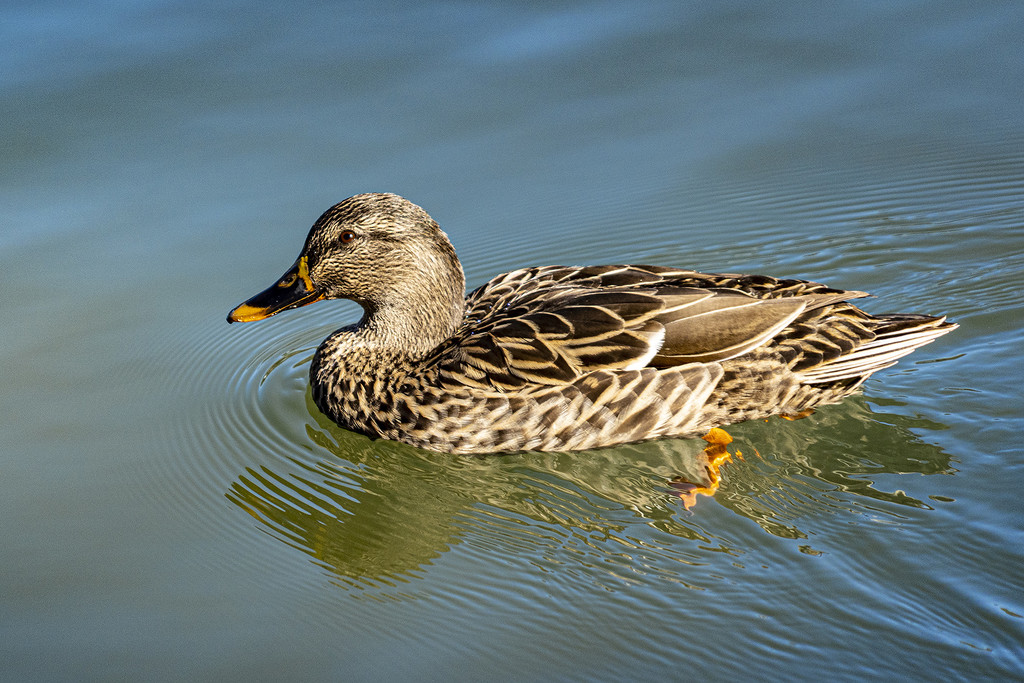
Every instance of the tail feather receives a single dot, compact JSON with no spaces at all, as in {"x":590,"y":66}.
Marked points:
{"x":898,"y":335}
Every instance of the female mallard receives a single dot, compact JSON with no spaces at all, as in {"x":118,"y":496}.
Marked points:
{"x":561,"y":358}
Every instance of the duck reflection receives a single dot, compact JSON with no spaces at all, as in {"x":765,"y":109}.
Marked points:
{"x":380,"y":513}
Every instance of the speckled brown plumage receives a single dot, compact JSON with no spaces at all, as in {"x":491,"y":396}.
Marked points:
{"x":564,"y":358}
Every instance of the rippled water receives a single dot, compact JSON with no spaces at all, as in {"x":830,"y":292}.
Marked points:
{"x":176,"y":507}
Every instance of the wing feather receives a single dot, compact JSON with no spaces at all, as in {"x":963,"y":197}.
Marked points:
{"x":554,"y":324}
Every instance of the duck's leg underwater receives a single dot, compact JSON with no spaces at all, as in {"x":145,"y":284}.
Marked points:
{"x":797,"y":416}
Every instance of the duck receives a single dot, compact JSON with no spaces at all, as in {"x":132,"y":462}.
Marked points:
{"x":564,"y":358}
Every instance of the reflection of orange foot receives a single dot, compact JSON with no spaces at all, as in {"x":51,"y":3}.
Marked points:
{"x":798,"y":416}
{"x":716,"y":456}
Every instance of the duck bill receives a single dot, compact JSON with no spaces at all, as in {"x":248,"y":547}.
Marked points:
{"x":294,"y":289}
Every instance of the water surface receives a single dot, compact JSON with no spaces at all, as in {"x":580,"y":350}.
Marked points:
{"x":176,"y":507}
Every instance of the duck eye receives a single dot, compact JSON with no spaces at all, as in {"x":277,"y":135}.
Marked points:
{"x":347,"y":237}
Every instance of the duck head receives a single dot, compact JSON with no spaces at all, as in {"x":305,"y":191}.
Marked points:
{"x":381,"y":251}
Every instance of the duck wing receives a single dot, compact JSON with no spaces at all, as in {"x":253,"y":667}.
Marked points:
{"x":550,"y":326}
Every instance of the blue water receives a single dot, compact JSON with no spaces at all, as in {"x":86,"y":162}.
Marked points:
{"x":176,"y":508}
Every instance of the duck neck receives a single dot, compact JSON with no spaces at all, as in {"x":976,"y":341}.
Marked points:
{"x":415,"y":319}
{"x":405,"y":331}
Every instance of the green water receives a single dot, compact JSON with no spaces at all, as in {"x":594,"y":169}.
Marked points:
{"x":174,"y":506}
